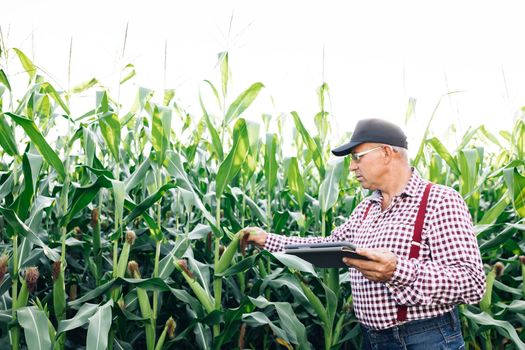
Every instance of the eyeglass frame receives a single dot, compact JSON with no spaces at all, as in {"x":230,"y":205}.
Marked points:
{"x":356,"y":157}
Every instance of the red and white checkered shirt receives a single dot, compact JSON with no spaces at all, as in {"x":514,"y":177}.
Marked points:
{"x":448,"y":271}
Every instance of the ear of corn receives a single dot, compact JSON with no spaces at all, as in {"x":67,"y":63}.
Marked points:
{"x":145,"y":307}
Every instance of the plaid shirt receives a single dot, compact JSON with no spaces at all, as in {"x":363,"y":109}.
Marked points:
{"x":448,"y":271}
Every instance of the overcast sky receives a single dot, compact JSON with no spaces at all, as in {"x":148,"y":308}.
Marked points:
{"x":374,"y":55}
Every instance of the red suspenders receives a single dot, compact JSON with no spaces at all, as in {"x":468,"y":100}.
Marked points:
{"x":416,"y":240}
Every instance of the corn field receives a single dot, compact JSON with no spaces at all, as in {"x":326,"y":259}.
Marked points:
{"x":123,"y":231}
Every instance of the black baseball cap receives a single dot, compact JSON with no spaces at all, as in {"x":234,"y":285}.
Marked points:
{"x":373,"y":130}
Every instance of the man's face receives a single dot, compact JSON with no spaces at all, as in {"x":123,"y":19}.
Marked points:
{"x":369,"y":167}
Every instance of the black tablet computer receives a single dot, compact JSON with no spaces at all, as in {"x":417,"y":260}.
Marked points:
{"x":328,"y":254}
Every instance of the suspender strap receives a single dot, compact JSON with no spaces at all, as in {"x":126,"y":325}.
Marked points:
{"x":416,"y":240}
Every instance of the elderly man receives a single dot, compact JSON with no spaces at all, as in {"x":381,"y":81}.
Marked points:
{"x":418,"y":237}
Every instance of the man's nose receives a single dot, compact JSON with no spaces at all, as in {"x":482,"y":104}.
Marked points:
{"x":353,"y":165}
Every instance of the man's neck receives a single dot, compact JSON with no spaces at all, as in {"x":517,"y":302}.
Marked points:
{"x":395,"y":184}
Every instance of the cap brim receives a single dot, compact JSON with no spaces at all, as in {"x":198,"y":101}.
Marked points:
{"x":345,"y":149}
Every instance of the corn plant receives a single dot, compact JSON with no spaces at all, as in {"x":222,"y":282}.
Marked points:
{"x":120,"y":228}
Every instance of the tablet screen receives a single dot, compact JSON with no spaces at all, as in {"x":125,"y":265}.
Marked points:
{"x":326,"y":254}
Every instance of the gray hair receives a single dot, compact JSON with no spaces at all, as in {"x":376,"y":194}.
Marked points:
{"x":402,"y":151}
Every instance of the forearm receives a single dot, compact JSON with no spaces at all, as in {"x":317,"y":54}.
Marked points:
{"x":344,"y":232}
{"x":276,"y":243}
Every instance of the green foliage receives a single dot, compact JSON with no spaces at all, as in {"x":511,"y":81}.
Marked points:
{"x":66,"y":200}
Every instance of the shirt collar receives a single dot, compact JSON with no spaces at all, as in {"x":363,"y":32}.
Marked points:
{"x":411,"y":188}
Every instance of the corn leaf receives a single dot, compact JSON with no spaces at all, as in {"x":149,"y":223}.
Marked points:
{"x":176,"y":169}
{"x":110,"y":128}
{"x":127,"y":73}
{"x":42,"y":106}
{"x":35,"y":324}
{"x":250,"y":165}
{"x":240,"y":267}
{"x":242,"y":102}
{"x":215,"y":139}
{"x":28,"y":65}
{"x":84,"y":86}
{"x":148,"y":202}
{"x":169,"y":94}
{"x":270,"y":162}
{"x":153,"y":284}
{"x":490,"y":136}
{"x":7,"y":137}
{"x":295,"y":181}
{"x":82,"y":196}
{"x":215,"y":93}
{"x":138,"y":175}
{"x":514,"y":306}
{"x":166,"y":264}
{"x":493,"y":213}
{"x":225,"y":71}
{"x":255,"y":209}
{"x":40,"y":143}
{"x":288,"y":320}
{"x":31,"y":164}
{"x":81,"y":318}
{"x":518,"y":139}
{"x":41,"y":203}
{"x":160,"y":132}
{"x":313,"y":147}
{"x":516,"y":185}
{"x":4,"y":80}
{"x":498,"y":240}
{"x":99,"y":325}
{"x":444,"y":154}
{"x":295,"y":263}
{"x":257,"y":319}
{"x":469,"y":163}
{"x":49,"y":89}
{"x":19,"y":227}
{"x":5,"y":316}
{"x":467,"y":137}
{"x":502,"y":327}
{"x":233,"y":162}
{"x":119,"y":192}
{"x":329,"y":190}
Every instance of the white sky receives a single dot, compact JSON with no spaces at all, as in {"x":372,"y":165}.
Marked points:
{"x":377,"y":54}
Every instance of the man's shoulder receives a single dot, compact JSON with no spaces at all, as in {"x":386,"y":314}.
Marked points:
{"x":443,"y":190}
{"x":440,"y":193}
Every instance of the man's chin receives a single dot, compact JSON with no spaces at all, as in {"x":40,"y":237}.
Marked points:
{"x":364,"y":185}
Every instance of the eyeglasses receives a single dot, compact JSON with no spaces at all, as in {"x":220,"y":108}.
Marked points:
{"x":356,"y":157}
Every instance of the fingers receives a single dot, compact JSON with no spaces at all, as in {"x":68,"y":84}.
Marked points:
{"x":380,"y":267}
{"x":256,"y":235}
{"x":253,"y":231}
{"x":373,"y":254}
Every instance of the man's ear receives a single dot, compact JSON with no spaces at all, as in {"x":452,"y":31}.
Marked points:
{"x":388,"y":153}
